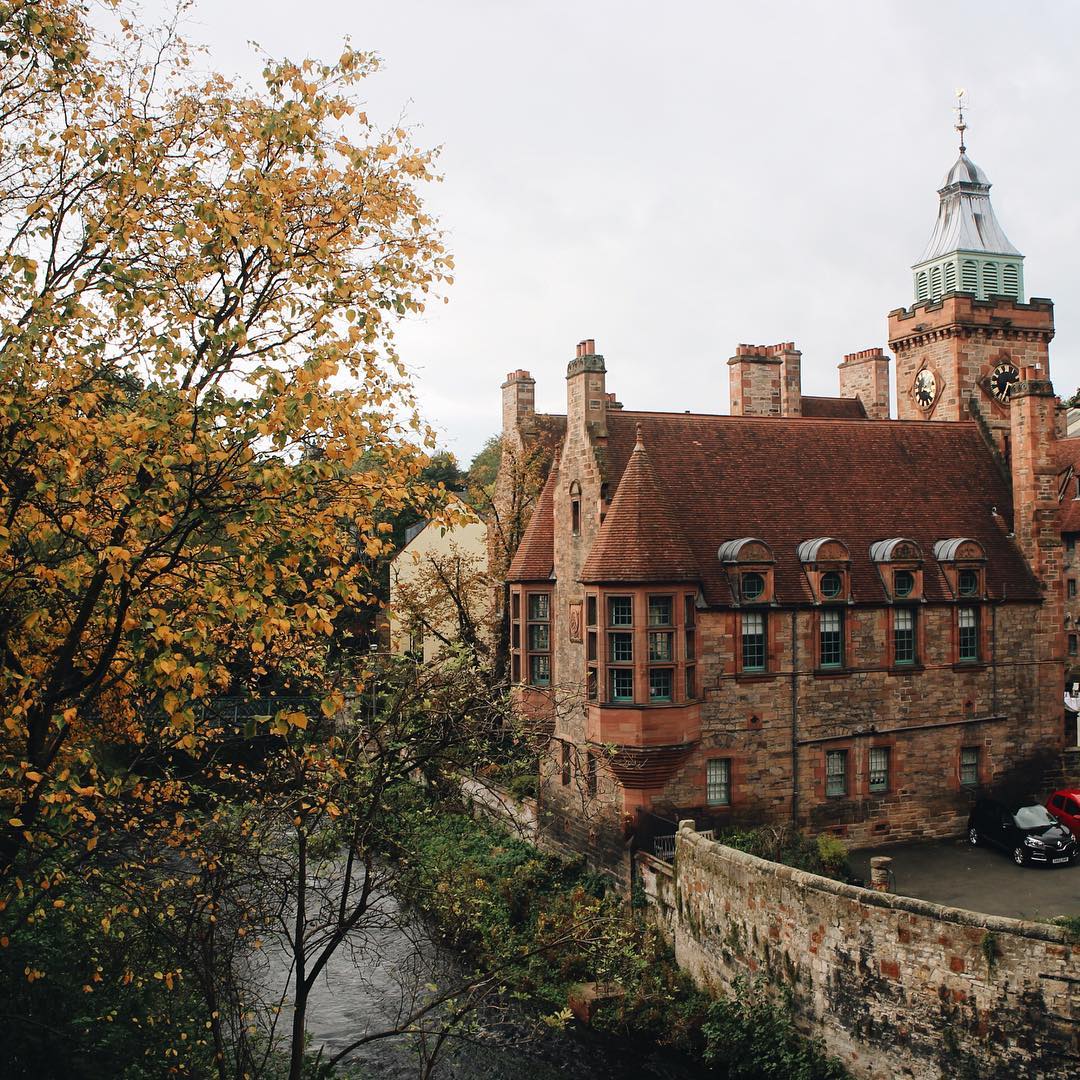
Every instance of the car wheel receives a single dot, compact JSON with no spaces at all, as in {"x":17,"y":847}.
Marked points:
{"x":1019,"y":856}
{"x":973,"y":836}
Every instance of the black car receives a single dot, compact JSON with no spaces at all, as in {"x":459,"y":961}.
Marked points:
{"x":1028,"y":832}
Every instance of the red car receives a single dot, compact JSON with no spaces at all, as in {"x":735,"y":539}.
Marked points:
{"x":1065,"y":806}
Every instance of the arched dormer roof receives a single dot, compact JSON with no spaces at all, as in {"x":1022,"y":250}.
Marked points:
{"x":822,"y":549}
{"x":745,"y":549}
{"x":896,"y":549}
{"x":958,"y":547}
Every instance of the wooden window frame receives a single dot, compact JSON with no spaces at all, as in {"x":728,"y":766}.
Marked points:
{"x":829,"y":613}
{"x":888,"y":785}
{"x":843,"y":754}
{"x":744,"y":638}
{"x":530,"y":654}
{"x":724,"y":785}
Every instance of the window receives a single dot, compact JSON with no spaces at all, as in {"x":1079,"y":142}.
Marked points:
{"x":540,"y":670}
{"x":718,"y":782}
{"x":990,"y":279}
{"x":969,"y":276}
{"x":950,"y":277}
{"x":1070,"y":543}
{"x":831,"y":639}
{"x":538,"y":639}
{"x":620,"y":647}
{"x":661,"y":646}
{"x":620,"y":611}
{"x":967,"y":583}
{"x":879,"y":769}
{"x":935,"y":281}
{"x":1072,"y":588}
{"x":660,"y":609}
{"x":590,"y":773}
{"x":969,"y":766}
{"x":753,"y":586}
{"x":590,"y":645}
{"x":1072,"y":645}
{"x":921,"y":290}
{"x":903,"y":636}
{"x":903,"y":583}
{"x":565,"y":770}
{"x":689,"y":611}
{"x":515,"y":606}
{"x":590,"y":611}
{"x":835,"y":772}
{"x":621,"y":684}
{"x":832,"y":585}
{"x":660,"y":680}
{"x":591,"y":683}
{"x":691,"y":683}
{"x":968,"y":634}
{"x":753,"y":641}
{"x":691,"y":643}
{"x":575,"y":517}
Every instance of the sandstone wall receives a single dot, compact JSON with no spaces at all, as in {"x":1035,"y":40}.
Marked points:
{"x":896,"y":987}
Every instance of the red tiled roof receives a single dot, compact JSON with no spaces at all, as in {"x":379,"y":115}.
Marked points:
{"x":788,"y":480}
{"x":534,"y":559}
{"x":833,"y":408}
{"x":640,"y":538}
{"x":1068,"y":463}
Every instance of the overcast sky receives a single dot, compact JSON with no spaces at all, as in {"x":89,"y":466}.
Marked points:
{"x":673,"y":179}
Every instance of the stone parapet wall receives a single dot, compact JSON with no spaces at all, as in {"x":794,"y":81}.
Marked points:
{"x":896,"y":987}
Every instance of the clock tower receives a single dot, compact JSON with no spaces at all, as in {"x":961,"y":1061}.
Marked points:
{"x":962,"y":345}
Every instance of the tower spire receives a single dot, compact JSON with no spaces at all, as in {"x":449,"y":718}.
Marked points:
{"x":961,"y":127}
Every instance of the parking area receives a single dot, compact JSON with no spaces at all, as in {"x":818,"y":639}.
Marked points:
{"x":980,"y":879}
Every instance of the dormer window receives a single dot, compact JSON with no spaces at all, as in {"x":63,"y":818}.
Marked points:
{"x":827,"y":565}
{"x":967,"y":582}
{"x":832,"y":585}
{"x":899,"y":562}
{"x":963,"y":561}
{"x":748,"y":567}
{"x":903,"y":583}
{"x":752,"y":585}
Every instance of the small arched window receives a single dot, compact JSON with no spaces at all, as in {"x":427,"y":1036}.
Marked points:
{"x":969,"y":276}
{"x":991,"y":285}
{"x":921,"y":289}
{"x":575,"y":508}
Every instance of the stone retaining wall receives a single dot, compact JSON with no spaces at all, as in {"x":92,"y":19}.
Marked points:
{"x":896,"y":987}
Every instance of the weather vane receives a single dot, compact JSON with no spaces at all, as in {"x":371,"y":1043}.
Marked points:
{"x":961,"y":127}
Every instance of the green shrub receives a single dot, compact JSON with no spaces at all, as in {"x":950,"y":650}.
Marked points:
{"x":751,"y":1037}
{"x":827,"y":855}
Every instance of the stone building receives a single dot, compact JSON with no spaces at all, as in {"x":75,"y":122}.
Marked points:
{"x":807,"y":611}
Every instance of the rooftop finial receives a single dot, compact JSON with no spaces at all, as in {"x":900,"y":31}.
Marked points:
{"x":639,"y":443}
{"x":961,"y":127}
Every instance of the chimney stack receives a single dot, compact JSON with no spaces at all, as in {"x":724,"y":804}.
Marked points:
{"x":865,"y":375}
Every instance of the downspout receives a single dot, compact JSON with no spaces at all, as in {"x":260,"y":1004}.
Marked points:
{"x":794,"y":718}
{"x":993,"y":659}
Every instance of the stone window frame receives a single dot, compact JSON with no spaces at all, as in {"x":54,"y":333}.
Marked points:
{"x":887,"y":750}
{"x":843,"y":754}
{"x":575,"y":508}
{"x":741,"y":637}
{"x":528,"y":622}
{"x":642,"y":625}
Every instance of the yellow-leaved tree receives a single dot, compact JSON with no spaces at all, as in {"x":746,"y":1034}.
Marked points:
{"x":204,"y":427}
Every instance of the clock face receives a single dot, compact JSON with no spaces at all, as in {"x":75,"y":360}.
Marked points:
{"x":1002,"y":379}
{"x":925,"y":389}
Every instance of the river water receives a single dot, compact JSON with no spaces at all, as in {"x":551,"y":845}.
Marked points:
{"x":354,"y":998}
